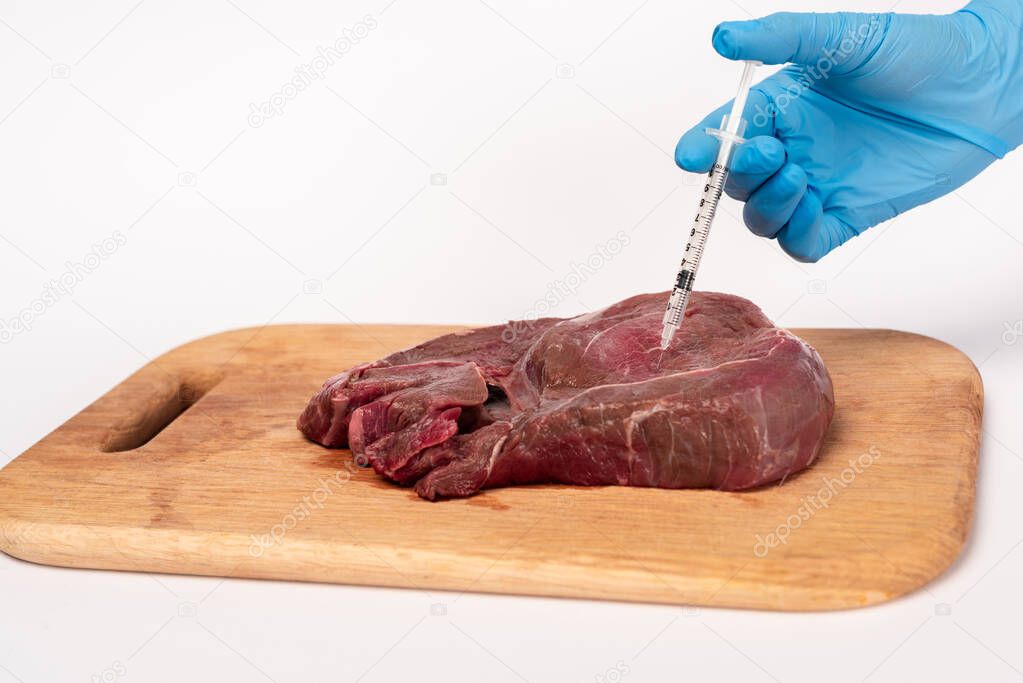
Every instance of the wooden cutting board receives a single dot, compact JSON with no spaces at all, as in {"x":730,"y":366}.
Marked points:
{"x":193,"y":465}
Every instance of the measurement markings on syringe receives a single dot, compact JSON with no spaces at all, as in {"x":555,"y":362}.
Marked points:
{"x":708,"y":207}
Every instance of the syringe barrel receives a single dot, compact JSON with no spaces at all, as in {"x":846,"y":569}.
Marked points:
{"x":730,"y":135}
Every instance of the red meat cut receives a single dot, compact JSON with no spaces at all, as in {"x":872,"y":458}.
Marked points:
{"x":734,"y":403}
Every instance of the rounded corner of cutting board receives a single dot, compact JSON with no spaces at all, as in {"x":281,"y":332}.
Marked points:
{"x":951,"y":547}
{"x":947,"y":349}
{"x":942,"y":562}
{"x":12,"y":536}
{"x":892,"y":581}
{"x":16,"y":534}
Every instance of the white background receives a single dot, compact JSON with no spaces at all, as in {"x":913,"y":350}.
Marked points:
{"x":128,"y":117}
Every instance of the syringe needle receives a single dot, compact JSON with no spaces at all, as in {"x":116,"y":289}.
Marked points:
{"x":667,"y":334}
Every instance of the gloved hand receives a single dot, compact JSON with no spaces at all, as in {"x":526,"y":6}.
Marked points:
{"x":877,"y":114}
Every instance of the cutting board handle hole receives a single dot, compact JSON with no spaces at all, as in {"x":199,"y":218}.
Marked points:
{"x":154,"y":412}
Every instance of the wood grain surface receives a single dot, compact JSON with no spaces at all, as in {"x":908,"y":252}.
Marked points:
{"x":193,"y":465}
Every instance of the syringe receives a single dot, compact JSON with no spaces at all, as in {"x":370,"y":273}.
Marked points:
{"x":730,"y":135}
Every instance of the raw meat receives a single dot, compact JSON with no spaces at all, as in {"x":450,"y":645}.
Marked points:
{"x":734,"y":403}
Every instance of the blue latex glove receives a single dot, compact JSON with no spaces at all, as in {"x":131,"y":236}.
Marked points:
{"x":876,"y":114}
